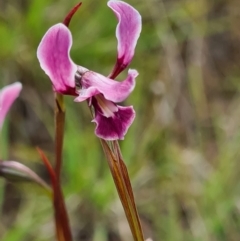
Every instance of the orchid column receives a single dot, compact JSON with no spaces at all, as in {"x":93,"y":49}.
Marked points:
{"x":102,"y":93}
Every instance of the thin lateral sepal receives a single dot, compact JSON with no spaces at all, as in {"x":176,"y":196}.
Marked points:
{"x":69,"y":16}
{"x":63,"y":231}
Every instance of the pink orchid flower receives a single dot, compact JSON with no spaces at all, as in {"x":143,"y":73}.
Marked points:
{"x":112,"y":121}
{"x":8,"y":94}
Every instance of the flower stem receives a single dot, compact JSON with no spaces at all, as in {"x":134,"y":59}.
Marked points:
{"x":59,"y":133}
{"x":63,"y":230}
{"x":128,"y":189}
{"x":122,"y":181}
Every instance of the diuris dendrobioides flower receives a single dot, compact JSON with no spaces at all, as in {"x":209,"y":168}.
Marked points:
{"x":8,"y":94}
{"x":112,"y":121}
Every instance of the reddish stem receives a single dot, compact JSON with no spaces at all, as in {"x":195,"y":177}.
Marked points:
{"x":59,"y":133}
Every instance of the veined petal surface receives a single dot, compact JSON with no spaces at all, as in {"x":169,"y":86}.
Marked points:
{"x":127,"y":31}
{"x":54,"y":56}
{"x":94,"y":83}
{"x":115,"y":127}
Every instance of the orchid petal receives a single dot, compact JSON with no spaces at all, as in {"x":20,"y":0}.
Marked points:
{"x":115,"y":127}
{"x":94,"y":83}
{"x":7,"y":96}
{"x":127,"y":31}
{"x":107,"y":107}
{"x":53,"y":55}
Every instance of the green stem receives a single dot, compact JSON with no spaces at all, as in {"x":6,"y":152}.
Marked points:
{"x":122,"y":181}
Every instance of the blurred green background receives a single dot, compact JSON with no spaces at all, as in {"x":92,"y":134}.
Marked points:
{"x":183,"y":150}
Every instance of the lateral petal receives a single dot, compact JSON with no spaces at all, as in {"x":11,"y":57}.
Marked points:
{"x":54,"y":56}
{"x":127,"y":32}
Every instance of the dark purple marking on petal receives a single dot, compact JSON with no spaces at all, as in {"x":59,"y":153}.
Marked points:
{"x":115,"y":127}
{"x":53,"y":55}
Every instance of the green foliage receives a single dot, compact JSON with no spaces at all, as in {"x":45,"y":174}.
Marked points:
{"x":182,"y":150}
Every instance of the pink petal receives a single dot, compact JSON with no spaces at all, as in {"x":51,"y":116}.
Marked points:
{"x":127,"y":31}
{"x":94,"y":83}
{"x":116,"y":127}
{"x":108,"y":108}
{"x":7,"y":96}
{"x":53,"y":55}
